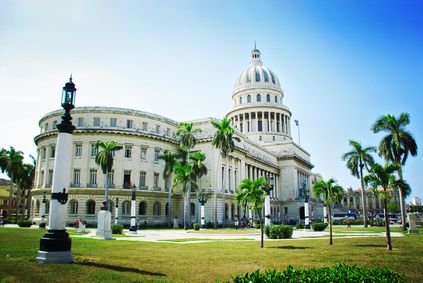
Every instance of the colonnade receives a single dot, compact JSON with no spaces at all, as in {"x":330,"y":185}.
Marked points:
{"x":262,"y":121}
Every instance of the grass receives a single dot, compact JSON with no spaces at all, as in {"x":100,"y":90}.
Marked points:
{"x":184,"y":240}
{"x":137,"y":261}
{"x":226,"y":231}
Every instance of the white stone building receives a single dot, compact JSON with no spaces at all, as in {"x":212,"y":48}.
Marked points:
{"x":262,"y":122}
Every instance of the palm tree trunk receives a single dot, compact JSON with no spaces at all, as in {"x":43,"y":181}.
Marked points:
{"x":189,"y":205}
{"x":223,"y":193}
{"x":388,"y":232}
{"x":106,"y":189}
{"x":9,"y":212}
{"x":17,"y":204}
{"x":261,"y":231}
{"x":185,"y":211}
{"x":216,"y":185}
{"x":330,"y":224}
{"x":363,"y":200}
{"x":402,"y":202}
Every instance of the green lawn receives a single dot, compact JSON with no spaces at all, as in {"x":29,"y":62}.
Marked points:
{"x":227,"y":231}
{"x":134,"y":261}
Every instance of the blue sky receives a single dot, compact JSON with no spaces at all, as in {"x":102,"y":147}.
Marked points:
{"x":341,"y":64}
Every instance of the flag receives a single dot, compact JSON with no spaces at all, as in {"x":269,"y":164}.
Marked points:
{"x":296,"y":122}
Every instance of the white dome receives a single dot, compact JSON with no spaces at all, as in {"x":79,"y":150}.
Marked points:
{"x":257,"y":75}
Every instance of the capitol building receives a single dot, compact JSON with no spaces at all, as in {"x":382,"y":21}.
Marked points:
{"x":261,"y":120}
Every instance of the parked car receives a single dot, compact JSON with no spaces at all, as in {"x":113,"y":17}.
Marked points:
{"x":344,"y":216}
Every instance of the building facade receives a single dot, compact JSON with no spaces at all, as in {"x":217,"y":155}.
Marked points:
{"x":260,"y":118}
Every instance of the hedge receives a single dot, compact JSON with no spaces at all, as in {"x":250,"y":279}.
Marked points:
{"x":24,"y":223}
{"x":278,"y":231}
{"x":319,"y":226}
{"x":117,"y":228}
{"x":336,"y":273}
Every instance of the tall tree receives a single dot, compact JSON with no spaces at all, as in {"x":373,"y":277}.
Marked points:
{"x":105,"y":158}
{"x":10,"y":162}
{"x":170,"y":160}
{"x":252,"y":193}
{"x":358,"y":159}
{"x":183,"y":179}
{"x":25,"y":181}
{"x":331,"y":193}
{"x":384,"y":178}
{"x":396,"y":146}
{"x":199,"y":169}
{"x":223,"y":140}
{"x":186,"y":135}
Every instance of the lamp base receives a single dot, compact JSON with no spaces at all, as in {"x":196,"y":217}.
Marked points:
{"x":55,"y":247}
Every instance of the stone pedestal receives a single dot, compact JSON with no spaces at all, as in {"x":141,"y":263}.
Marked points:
{"x":412,"y":221}
{"x":175,"y":224}
{"x":104,"y":228}
{"x":82,"y":228}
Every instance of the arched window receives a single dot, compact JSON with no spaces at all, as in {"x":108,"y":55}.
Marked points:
{"x":268,"y":98}
{"x":142,"y":209}
{"x":126,"y":207}
{"x":240,"y":100}
{"x":156,"y":209}
{"x":258,"y":97}
{"x":167,"y":209}
{"x":90,"y":205}
{"x":276,"y":99}
{"x":192,"y":209}
{"x":37,"y":210}
{"x":249,"y":99}
{"x":226,"y":210}
{"x":73,"y":206}
{"x":47,"y":206}
{"x":232,"y":211}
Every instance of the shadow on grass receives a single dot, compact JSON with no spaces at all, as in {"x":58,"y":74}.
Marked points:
{"x":370,"y":246}
{"x":290,"y":248}
{"x":120,"y":268}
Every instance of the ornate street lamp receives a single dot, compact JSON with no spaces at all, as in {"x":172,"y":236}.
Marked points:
{"x":43,"y":212}
{"x":117,"y":210}
{"x":55,"y":245}
{"x":133,"y":227}
{"x":202,"y":199}
{"x":268,"y":189}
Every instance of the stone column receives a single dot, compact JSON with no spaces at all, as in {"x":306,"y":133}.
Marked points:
{"x":325,"y":214}
{"x":133,"y":227}
{"x":267,"y":213}
{"x":46,"y":169}
{"x":117,"y":211}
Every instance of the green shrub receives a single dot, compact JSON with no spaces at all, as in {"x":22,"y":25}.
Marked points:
{"x":117,"y":228}
{"x":300,"y":226}
{"x":267,"y":230}
{"x":337,"y":273}
{"x":286,"y":231}
{"x":319,"y":226}
{"x":24,"y":223}
{"x":280,"y":231}
{"x":196,"y":226}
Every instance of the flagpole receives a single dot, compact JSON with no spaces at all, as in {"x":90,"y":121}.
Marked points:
{"x":297,"y":123}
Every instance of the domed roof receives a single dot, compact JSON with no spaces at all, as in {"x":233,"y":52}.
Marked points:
{"x":257,"y":75}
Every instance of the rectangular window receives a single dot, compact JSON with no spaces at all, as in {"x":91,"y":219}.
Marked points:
{"x":54,"y":124}
{"x":158,"y":129}
{"x":80,"y":122}
{"x":77,"y":176}
{"x":156,"y":155}
{"x":42,"y":178}
{"x":129,"y":124}
{"x":94,"y":150}
{"x":167,"y":132}
{"x":50,"y":177}
{"x":111,"y":178}
{"x":259,"y":126}
{"x":113,"y":153}
{"x":128,"y":151}
{"x":156,"y":180}
{"x":143,"y":153}
{"x":96,"y":121}
{"x":43,"y":153}
{"x":93,"y":176}
{"x":144,"y":126}
{"x":52,"y":152}
{"x":142,"y":179}
{"x":78,"y":150}
{"x":113,"y":122}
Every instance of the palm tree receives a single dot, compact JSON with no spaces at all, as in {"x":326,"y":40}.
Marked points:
{"x":25,"y":182}
{"x":252,"y":192}
{"x":186,"y":135}
{"x":199,"y":169}
{"x":104,"y":158}
{"x":331,"y":194}
{"x":10,"y":162}
{"x":383,"y":177}
{"x":396,"y":146}
{"x":183,"y":178}
{"x":170,"y":161}
{"x":358,"y":159}
{"x":223,"y":139}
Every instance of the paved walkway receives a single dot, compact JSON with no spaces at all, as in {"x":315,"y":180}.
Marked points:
{"x":190,"y":236}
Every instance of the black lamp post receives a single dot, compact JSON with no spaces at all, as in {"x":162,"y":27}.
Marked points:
{"x":55,"y":245}
{"x":268,"y":189}
{"x":133,"y":227}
